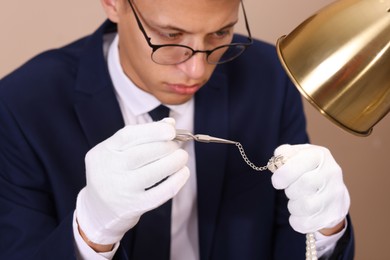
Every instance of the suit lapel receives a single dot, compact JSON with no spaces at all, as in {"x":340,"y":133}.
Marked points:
{"x":99,"y":117}
{"x":211,"y":117}
{"x":95,"y":103}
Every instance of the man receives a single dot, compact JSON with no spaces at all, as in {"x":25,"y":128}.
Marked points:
{"x":90,"y":100}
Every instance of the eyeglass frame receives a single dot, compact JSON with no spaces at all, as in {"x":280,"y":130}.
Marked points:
{"x":155,"y":47}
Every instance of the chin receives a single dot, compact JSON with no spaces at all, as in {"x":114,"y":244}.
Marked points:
{"x":175,"y":99}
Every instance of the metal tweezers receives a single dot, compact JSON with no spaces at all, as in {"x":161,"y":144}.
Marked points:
{"x":185,"y":135}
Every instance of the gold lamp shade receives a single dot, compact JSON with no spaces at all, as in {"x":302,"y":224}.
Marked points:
{"x":339,"y":59}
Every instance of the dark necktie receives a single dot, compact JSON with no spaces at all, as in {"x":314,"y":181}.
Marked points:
{"x":159,"y":113}
{"x":153,"y":231}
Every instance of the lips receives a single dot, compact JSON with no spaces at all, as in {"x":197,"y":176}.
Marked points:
{"x":183,"y":89}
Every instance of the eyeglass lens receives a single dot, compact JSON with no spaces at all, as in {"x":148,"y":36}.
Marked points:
{"x":168,"y":55}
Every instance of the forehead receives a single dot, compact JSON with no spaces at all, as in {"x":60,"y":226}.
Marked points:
{"x":195,"y":14}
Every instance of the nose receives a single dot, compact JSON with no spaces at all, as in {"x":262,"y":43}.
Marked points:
{"x":195,"y":67}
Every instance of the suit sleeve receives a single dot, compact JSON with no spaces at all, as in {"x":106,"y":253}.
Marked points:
{"x":36,"y":214}
{"x":30,"y":228}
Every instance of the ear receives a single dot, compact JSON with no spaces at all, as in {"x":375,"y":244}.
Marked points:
{"x":111,"y":9}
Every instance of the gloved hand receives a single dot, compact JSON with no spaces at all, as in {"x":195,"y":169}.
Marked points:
{"x":313,"y":182}
{"x":120,"y":169}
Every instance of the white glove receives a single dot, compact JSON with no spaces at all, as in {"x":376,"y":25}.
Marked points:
{"x":313,"y":182}
{"x":118,"y":171}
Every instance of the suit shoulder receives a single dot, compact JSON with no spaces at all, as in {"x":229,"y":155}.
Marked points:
{"x":54,"y":64}
{"x":259,"y":58}
{"x":258,"y":44}
{"x":49,"y":75}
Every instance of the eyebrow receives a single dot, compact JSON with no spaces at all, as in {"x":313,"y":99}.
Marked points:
{"x":174,"y":28}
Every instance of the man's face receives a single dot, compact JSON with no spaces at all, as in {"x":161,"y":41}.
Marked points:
{"x":199,"y":24}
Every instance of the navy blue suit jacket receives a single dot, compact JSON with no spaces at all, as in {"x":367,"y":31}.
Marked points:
{"x":60,"y":104}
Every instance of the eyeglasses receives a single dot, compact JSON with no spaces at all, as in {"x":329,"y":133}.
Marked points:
{"x":172,"y":54}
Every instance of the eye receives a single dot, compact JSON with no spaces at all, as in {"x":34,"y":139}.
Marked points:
{"x":169,"y":36}
{"x":222,"y":33}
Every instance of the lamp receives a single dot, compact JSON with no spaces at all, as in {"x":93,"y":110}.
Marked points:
{"x":339,"y":59}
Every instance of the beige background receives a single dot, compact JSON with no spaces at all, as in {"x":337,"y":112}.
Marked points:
{"x":28,"y":27}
